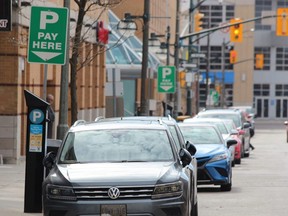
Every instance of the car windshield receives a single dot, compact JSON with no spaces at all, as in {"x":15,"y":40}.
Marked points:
{"x":201,"y":135}
{"x":235,"y":117}
{"x":116,"y":146}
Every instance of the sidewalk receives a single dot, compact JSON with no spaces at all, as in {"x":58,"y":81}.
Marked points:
{"x":12,"y":184}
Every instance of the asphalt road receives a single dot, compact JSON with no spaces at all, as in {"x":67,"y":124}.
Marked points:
{"x":260,"y":182}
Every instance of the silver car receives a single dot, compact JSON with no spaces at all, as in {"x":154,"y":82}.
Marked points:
{"x":118,"y":168}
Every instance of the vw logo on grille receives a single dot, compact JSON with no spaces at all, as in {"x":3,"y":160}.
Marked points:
{"x":113,"y":193}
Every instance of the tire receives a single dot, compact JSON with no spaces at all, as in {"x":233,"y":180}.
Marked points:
{"x":238,"y":161}
{"x":226,"y":187}
{"x":233,"y":163}
{"x":242,"y":150}
{"x":195,"y":210}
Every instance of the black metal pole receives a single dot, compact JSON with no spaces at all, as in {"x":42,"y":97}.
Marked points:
{"x":146,"y":17}
{"x":62,"y":127}
{"x":177,"y":94}
{"x":190,"y":51}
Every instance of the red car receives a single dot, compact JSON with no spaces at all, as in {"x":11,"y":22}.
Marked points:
{"x":235,"y":134}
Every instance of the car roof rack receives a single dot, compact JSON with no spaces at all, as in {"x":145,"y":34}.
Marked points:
{"x":99,"y":118}
{"x":79,"y":122}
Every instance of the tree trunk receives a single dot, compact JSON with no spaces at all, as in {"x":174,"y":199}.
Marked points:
{"x":74,"y":61}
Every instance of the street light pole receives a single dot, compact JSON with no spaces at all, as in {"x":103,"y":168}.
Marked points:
{"x":143,"y":104}
{"x":177,"y":95}
{"x":223,"y":73}
{"x":62,"y":127}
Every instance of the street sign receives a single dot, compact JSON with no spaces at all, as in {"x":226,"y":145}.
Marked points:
{"x":48,"y":35}
{"x":166,"y":79}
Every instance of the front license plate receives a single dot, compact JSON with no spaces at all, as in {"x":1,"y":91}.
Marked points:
{"x":113,"y":210}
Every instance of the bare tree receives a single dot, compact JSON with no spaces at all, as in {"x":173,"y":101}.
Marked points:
{"x":84,"y":6}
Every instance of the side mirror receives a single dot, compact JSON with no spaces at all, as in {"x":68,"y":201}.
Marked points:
{"x":185,"y":157}
{"x":191,"y":148}
{"x":246,"y":125}
{"x":286,"y":123}
{"x":231,"y":142}
{"x":49,"y":160}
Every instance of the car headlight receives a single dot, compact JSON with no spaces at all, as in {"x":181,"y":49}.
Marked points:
{"x":60,"y":192}
{"x":168,"y":190}
{"x":219,"y":157}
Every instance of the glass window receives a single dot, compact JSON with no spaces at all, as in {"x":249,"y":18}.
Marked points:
{"x":262,"y":5}
{"x":175,"y":137}
{"x":116,"y":146}
{"x":261,"y":89}
{"x":199,"y":135}
{"x":281,"y":58}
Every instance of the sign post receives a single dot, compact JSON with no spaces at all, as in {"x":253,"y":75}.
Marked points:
{"x":166,"y":79}
{"x":48,"y":35}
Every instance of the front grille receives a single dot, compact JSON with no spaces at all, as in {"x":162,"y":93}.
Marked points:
{"x":202,"y":176}
{"x":126,"y":192}
{"x":202,"y":161}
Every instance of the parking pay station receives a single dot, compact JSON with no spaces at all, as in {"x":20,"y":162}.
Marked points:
{"x":35,"y":152}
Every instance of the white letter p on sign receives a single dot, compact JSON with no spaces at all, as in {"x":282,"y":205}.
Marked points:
{"x":48,"y":17}
{"x":166,"y":72}
{"x":36,"y":115}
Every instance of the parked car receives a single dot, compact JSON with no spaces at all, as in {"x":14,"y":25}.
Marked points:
{"x":250,"y":116}
{"x":213,"y":155}
{"x":118,"y":168}
{"x":238,"y":120}
{"x":178,"y":138}
{"x":235,"y":134}
{"x":221,"y":126}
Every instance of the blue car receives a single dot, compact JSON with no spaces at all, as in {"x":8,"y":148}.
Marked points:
{"x":213,"y":156}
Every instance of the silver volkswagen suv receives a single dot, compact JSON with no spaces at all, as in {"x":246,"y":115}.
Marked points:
{"x":118,"y":168}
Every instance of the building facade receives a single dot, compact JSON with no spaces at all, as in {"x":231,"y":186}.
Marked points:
{"x":18,"y":75}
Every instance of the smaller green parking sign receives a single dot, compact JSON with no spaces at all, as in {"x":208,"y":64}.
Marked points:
{"x":166,"y":79}
{"x":48,"y":35}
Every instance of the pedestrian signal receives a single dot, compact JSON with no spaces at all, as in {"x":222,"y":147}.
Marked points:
{"x":259,"y":64}
{"x":182,"y":79}
{"x":233,"y":56}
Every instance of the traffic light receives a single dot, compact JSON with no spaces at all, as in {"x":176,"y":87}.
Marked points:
{"x":259,"y":64}
{"x":182,"y":79}
{"x":236,"y":31}
{"x":198,"y":21}
{"x":233,"y":56}
{"x":282,"y":22}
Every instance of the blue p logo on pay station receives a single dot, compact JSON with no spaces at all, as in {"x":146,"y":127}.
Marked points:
{"x":36,"y":116}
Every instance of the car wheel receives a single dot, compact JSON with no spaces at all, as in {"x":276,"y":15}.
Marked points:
{"x":238,"y":161}
{"x":195,"y":210}
{"x":226,"y":187}
{"x":233,"y":163}
{"x":242,"y":150}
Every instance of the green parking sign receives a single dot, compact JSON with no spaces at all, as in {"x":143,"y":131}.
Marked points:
{"x":166,"y":79}
{"x":48,"y":35}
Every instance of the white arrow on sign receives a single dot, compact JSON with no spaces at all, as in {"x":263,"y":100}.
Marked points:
{"x":166,"y":88}
{"x":46,"y":56}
